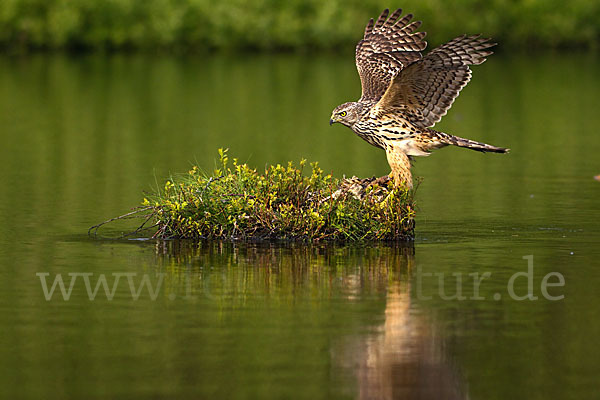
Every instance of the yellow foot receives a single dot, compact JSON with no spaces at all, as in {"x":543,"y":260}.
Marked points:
{"x":400,"y":165}
{"x":401,"y":181}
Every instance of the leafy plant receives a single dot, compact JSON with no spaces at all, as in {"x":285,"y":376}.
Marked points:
{"x":238,"y":202}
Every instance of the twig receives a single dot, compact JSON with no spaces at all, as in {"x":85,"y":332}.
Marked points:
{"x":241,"y":195}
{"x":141,"y":227}
{"x":124,"y":216}
{"x":211,"y":180}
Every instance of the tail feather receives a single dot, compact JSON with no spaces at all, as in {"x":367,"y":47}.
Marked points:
{"x":473,"y":145}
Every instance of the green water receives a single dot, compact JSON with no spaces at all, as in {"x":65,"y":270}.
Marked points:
{"x":83,"y":138}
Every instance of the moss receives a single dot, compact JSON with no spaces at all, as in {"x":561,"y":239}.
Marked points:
{"x":238,"y":202}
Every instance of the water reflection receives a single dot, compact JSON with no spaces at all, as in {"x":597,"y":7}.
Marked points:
{"x":401,"y":357}
{"x":404,"y":358}
{"x":228,"y":270}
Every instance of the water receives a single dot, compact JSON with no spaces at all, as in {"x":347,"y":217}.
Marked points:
{"x":84,"y":137}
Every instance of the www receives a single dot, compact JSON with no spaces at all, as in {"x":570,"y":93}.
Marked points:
{"x":101,"y":282}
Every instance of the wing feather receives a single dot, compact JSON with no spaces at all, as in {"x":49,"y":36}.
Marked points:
{"x":388,"y":46}
{"x":426,"y":89}
{"x":381,"y":19}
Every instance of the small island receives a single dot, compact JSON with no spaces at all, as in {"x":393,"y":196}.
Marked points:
{"x":236,"y":202}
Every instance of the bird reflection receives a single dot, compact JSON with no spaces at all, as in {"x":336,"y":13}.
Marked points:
{"x":404,"y":358}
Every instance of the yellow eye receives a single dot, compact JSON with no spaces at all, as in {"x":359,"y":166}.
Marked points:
{"x":343,"y":114}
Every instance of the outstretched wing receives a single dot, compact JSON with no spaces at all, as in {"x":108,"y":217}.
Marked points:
{"x":389,"y":45}
{"x":426,"y":89}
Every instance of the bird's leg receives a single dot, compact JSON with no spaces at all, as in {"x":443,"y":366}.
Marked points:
{"x":400,"y":164}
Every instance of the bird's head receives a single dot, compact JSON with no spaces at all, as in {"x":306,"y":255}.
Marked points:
{"x":346,"y":114}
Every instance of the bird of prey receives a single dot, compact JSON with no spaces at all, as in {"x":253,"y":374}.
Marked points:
{"x":405,"y":93}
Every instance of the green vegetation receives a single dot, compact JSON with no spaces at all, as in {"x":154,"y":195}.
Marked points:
{"x":275,"y":24}
{"x":237,"y":202}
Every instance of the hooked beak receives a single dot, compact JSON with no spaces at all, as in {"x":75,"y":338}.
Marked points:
{"x":331,"y":122}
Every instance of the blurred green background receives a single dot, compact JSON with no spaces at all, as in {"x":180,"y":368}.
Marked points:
{"x":179,"y":25}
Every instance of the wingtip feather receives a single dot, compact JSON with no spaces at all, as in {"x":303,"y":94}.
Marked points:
{"x":369,"y":27}
{"x":382,"y":17}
